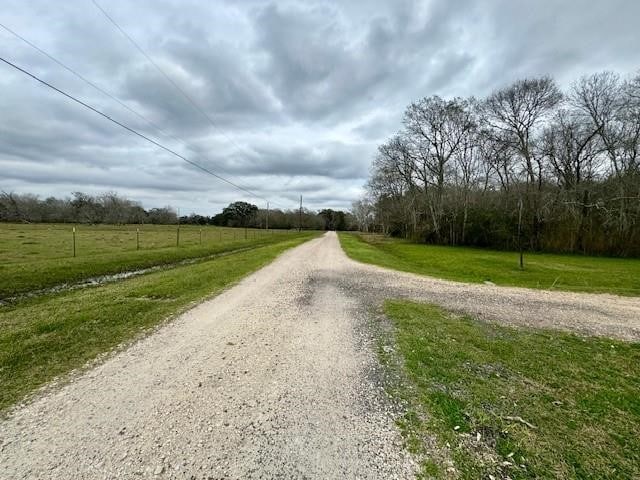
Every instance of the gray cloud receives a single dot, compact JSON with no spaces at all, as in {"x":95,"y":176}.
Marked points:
{"x":301,"y":92}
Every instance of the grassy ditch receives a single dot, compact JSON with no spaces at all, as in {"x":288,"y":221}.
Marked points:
{"x":45,"y":337}
{"x":544,"y":271}
{"x":517,"y":403}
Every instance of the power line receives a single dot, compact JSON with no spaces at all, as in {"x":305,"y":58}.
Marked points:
{"x":191,"y":101}
{"x":81,"y":77}
{"x":129,"y":129}
{"x":165,"y":75}
{"x":112,"y":97}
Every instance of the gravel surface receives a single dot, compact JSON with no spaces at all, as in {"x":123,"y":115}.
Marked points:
{"x":274,"y":378}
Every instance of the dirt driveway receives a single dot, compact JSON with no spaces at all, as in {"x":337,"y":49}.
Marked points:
{"x":274,"y":378}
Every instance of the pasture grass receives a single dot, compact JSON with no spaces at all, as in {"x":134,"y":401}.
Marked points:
{"x":39,"y":256}
{"x":516,"y":403}
{"x":45,"y":337}
{"x":542,"y":270}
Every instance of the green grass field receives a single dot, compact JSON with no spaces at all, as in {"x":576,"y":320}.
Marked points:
{"x":47,"y":336}
{"x":39,"y":256}
{"x":542,"y":270}
{"x":515,"y":403}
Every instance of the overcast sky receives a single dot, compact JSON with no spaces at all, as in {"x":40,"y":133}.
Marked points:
{"x":301,"y":93}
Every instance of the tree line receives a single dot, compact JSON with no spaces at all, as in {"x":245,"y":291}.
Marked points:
{"x":110,"y":208}
{"x":241,"y":214}
{"x":529,"y":167}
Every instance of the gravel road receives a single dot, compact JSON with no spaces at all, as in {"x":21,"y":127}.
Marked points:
{"x":274,"y":378}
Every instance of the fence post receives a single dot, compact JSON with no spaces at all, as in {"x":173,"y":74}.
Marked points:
{"x":201,"y":236}
{"x":74,"y":242}
{"x":137,"y":239}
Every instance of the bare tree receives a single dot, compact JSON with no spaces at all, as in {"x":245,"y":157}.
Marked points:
{"x":516,"y":114}
{"x":436,"y":130}
{"x":364,"y":212}
{"x":393,"y":179}
{"x":614,"y":107}
{"x":571,"y":146}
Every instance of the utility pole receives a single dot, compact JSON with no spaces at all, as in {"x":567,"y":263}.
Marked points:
{"x":300,"y":216}
{"x":267,"y":224}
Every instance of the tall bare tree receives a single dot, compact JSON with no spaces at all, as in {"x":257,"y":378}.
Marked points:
{"x":436,"y":131}
{"x":516,"y":113}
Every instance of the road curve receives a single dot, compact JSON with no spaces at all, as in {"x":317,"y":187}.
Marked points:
{"x":274,"y":378}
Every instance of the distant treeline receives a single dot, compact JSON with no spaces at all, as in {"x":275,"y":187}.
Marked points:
{"x":527,"y":167}
{"x":110,"y":208}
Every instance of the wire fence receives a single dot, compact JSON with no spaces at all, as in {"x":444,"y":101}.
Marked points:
{"x":26,"y":242}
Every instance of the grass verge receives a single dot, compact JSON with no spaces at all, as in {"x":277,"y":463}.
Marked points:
{"x":45,"y":337}
{"x":545,"y":271}
{"x":517,"y":403}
